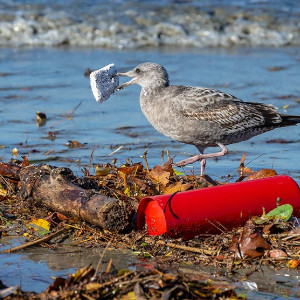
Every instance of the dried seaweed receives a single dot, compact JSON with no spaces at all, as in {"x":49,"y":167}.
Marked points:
{"x":273,"y":241}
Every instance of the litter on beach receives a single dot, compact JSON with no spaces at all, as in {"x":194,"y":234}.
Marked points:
{"x":104,"y":82}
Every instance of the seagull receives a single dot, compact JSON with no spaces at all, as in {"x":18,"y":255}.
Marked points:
{"x":200,"y":116}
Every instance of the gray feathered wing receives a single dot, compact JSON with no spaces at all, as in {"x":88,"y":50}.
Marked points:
{"x":230,"y":113}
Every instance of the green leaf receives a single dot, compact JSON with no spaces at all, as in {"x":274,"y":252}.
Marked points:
{"x":283,"y":212}
{"x":147,"y":254}
{"x":178,"y":173}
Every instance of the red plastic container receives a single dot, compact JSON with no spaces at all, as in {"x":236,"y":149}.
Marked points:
{"x":215,"y":209}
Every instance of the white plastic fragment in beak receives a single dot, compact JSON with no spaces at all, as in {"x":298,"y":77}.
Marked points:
{"x":104,"y":82}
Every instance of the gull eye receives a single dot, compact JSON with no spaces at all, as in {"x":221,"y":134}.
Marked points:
{"x":137,"y":70}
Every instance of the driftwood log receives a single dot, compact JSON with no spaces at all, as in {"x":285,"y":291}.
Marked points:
{"x":52,"y":187}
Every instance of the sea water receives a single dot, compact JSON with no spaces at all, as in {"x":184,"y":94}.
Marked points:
{"x":51,"y":80}
{"x":247,"y":48}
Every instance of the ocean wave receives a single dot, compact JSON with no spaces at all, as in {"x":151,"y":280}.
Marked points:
{"x":125,"y":24}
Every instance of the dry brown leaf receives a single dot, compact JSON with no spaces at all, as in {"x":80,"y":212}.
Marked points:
{"x":168,"y":166}
{"x":220,"y":257}
{"x":57,"y":285}
{"x":131,"y":169}
{"x":123,"y":176}
{"x":277,"y":253}
{"x":266,"y":229}
{"x":25,"y":162}
{"x":159,"y":176}
{"x":250,"y":243}
{"x":176,"y":187}
{"x":74,"y":144}
{"x":56,"y":218}
{"x":102,"y":172}
{"x":293,"y":263}
{"x":262,"y":174}
{"x":92,"y":286}
{"x":150,"y":189}
{"x":3,"y":192}
{"x":244,"y":171}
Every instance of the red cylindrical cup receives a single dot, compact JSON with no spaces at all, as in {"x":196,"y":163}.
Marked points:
{"x":215,"y":209}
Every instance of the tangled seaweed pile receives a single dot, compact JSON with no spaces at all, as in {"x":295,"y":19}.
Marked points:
{"x":272,"y":240}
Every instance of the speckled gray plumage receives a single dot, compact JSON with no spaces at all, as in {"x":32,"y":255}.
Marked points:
{"x":200,"y":116}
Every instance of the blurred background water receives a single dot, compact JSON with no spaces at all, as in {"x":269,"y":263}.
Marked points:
{"x":249,"y":48}
{"x":131,"y":24}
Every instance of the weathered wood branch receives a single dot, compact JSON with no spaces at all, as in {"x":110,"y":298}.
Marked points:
{"x":52,"y":187}
{"x":44,"y":239}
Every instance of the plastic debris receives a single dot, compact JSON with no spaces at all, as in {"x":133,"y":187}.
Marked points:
{"x":215,"y":209}
{"x":104,"y":82}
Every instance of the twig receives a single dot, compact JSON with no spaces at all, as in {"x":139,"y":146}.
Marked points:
{"x":101,"y":257}
{"x":291,"y":236}
{"x":186,"y":248}
{"x":225,"y":229}
{"x":242,"y":160}
{"x":162,"y":156}
{"x":88,"y":297}
{"x":168,"y":154}
{"x":49,"y":151}
{"x":36,"y":242}
{"x":145,"y":159}
{"x":276,"y":158}
{"x":109,"y":266}
{"x":8,"y":184}
{"x":58,"y":122}
{"x":255,"y":158}
{"x":115,"y":280}
{"x":70,"y":115}
{"x":112,"y":153}
{"x":149,"y":278}
{"x":216,"y":226}
{"x":67,"y":116}
{"x":91,"y":160}
{"x":125,"y":182}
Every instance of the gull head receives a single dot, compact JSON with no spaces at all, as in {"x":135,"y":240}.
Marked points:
{"x":147,"y":75}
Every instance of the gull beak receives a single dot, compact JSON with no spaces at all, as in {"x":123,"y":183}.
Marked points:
{"x":127,"y":74}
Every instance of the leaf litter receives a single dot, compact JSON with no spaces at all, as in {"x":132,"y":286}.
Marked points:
{"x":272,"y":239}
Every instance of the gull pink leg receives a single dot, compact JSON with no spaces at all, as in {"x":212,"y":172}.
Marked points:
{"x":202,"y":164}
{"x":202,"y":157}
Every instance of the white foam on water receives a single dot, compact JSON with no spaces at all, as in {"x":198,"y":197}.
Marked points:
{"x":123,"y":24}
